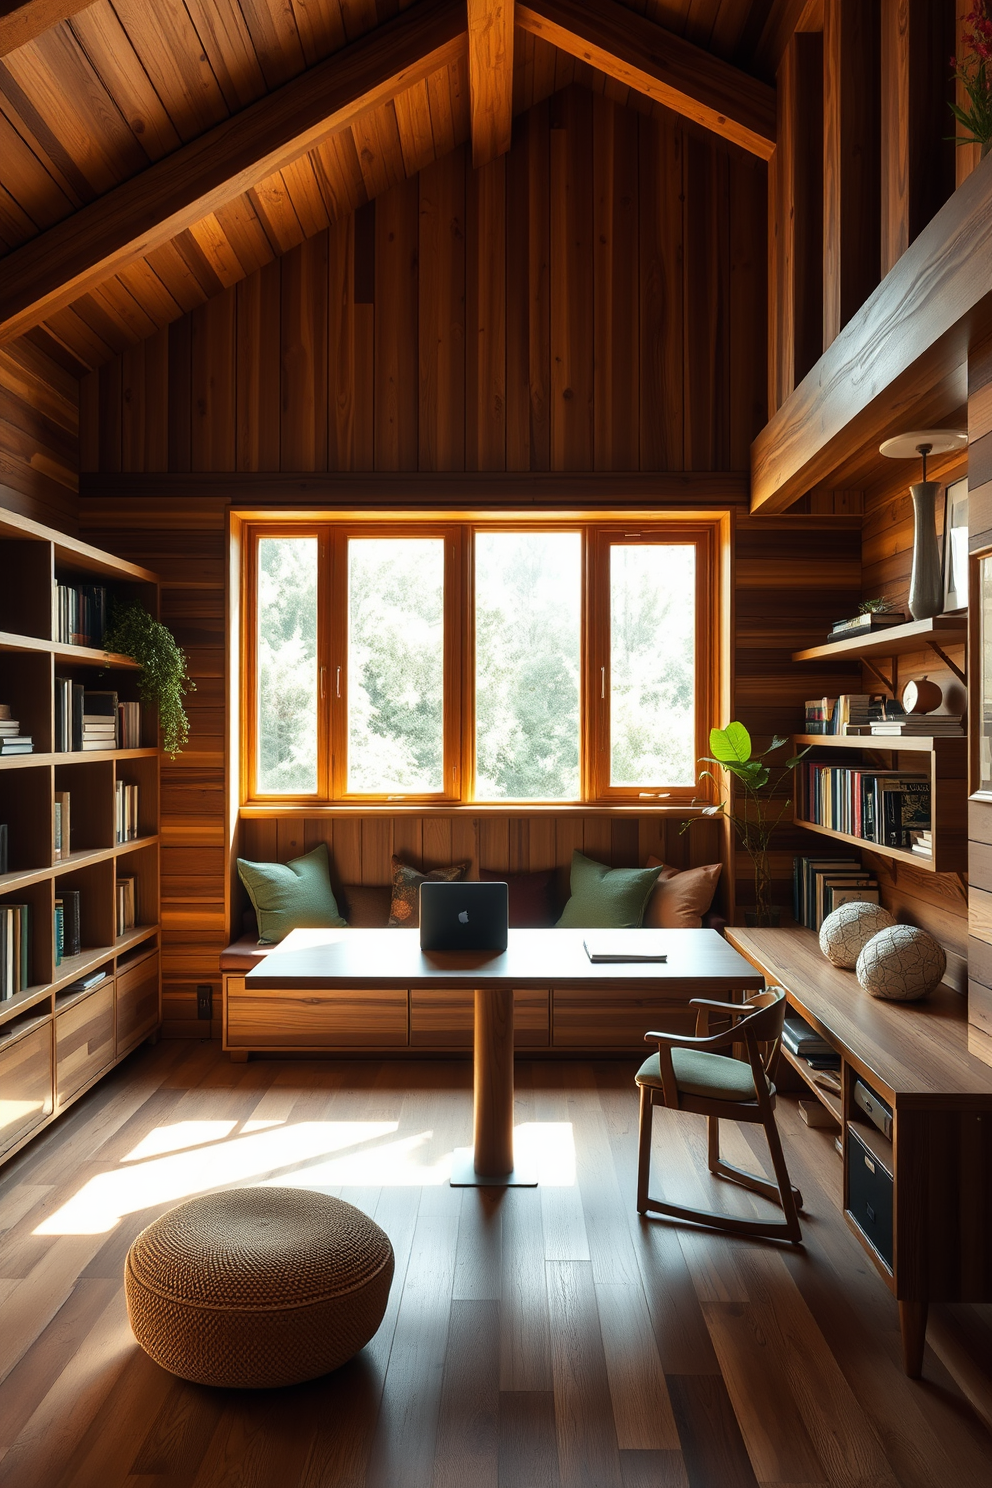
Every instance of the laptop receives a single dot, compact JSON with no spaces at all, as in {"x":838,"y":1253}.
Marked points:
{"x":463,"y":916}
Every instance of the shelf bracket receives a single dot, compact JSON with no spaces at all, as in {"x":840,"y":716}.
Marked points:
{"x":947,"y":660}
{"x":887,"y":682}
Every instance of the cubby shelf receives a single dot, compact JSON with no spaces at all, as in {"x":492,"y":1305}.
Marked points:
{"x":48,"y":1059}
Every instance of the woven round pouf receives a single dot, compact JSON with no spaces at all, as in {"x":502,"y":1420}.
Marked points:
{"x":257,"y":1287}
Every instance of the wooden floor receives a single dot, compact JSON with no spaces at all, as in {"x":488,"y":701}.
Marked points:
{"x":538,"y":1338}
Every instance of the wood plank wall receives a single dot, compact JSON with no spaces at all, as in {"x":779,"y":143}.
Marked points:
{"x":39,"y":436}
{"x":937,"y":901}
{"x":793,"y":576}
{"x":979,"y":923}
{"x":592,"y":301}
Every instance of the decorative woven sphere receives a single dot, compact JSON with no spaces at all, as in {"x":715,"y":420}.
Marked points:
{"x":845,"y":933}
{"x":901,"y":964}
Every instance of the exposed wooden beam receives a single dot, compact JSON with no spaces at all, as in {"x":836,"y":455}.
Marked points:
{"x":125,"y":224}
{"x":490,"y":77}
{"x":911,"y":335}
{"x":22,"y":20}
{"x":665,"y":67}
{"x":571,"y":489}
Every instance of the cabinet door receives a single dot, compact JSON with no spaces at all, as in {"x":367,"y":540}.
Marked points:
{"x":605,"y":1018}
{"x":25,"y":1085}
{"x":339,"y":1017}
{"x":443,"y":1019}
{"x":84,"y":1040}
{"x":137,"y":1003}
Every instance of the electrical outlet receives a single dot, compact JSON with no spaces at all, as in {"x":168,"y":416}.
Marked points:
{"x":205,"y":1002}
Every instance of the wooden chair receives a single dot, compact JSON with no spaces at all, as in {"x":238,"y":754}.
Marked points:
{"x":689,"y":1074}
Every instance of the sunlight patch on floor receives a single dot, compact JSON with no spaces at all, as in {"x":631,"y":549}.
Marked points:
{"x":179,"y":1136}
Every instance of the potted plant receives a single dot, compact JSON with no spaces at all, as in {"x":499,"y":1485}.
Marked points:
{"x":974,"y":73}
{"x":760,"y":810}
{"x":164,"y":680}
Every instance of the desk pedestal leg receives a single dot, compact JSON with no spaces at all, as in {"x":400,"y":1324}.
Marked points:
{"x":489,"y":1163}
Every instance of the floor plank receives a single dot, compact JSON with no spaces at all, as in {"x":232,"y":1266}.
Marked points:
{"x":533,"y":1338}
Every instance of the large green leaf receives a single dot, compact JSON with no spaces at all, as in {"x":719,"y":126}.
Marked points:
{"x":732,"y":745}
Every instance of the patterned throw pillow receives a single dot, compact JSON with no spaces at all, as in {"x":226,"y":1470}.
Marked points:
{"x":404,"y":910}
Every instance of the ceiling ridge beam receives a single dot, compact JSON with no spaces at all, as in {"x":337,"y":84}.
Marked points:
{"x":22,"y":20}
{"x":55,"y":268}
{"x":490,"y":78}
{"x":665,"y":67}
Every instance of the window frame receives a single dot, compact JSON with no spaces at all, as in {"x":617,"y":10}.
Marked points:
{"x":598,"y":531}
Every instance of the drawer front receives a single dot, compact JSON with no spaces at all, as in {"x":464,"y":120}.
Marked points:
{"x":137,"y":1003}
{"x":869,"y":1195}
{"x":445,"y":1019}
{"x":84,"y":1040}
{"x":25,"y":1085}
{"x":339,"y":1017}
{"x":600,"y":1019}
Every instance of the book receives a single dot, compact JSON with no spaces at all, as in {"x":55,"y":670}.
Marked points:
{"x":59,"y":931}
{"x":81,"y":614}
{"x":76,"y":715}
{"x":126,"y":811}
{"x":21,"y":745}
{"x":129,"y":715}
{"x":126,"y":903}
{"x":85,"y":983}
{"x":15,"y":920}
{"x":63,"y":843}
{"x":867,"y":624}
{"x":71,"y":922}
{"x":626,"y":945}
{"x":800,"y":1037}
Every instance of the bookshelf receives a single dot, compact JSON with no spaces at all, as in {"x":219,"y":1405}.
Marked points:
{"x":55,"y":1040}
{"x":944,"y":759}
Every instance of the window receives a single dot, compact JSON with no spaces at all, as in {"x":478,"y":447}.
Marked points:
{"x":502,"y":659}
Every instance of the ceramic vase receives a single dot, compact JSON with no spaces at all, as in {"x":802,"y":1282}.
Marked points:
{"x":926,"y":586}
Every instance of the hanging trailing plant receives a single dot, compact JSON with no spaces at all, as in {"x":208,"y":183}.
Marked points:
{"x":164,"y":680}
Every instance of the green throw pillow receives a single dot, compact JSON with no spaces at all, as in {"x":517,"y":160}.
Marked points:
{"x":291,"y":896}
{"x":606,"y":898}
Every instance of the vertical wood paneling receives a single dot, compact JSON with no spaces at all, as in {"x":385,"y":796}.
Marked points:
{"x":662,"y":294}
{"x":528,"y":301}
{"x":213,"y":383}
{"x":571,"y":282}
{"x":442,"y":313}
{"x":396,"y":421}
{"x":259,"y":312}
{"x":342,"y":389}
{"x":615,"y":232}
{"x":303,"y":406}
{"x":485,"y":401}
{"x":706,"y":367}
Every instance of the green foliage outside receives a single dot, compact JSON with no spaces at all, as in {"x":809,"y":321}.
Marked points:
{"x":287,"y":664}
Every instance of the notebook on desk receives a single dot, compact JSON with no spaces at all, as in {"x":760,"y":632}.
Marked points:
{"x":625,"y":945}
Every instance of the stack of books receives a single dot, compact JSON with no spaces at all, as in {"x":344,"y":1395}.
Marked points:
{"x":15,"y":922}
{"x":99,"y":721}
{"x":821,"y":885}
{"x":126,"y":807}
{"x":82,"y":614}
{"x":921,"y":726}
{"x":127,"y":905}
{"x":85,"y":983}
{"x":67,"y":909}
{"x":12,"y":741}
{"x":921,"y":843}
{"x":61,"y":847}
{"x":129,"y":726}
{"x":876,"y":806}
{"x":68,"y":715}
{"x":819,"y":715}
{"x":804,"y":1042}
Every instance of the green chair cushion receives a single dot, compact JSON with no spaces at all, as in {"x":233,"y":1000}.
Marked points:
{"x":606,"y":898}
{"x":291,"y":896}
{"x":711,"y":1076}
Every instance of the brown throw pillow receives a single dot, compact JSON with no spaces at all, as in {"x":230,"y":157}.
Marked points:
{"x":366,"y":906}
{"x":530,"y":903}
{"x":680,"y":899}
{"x":404,"y":910}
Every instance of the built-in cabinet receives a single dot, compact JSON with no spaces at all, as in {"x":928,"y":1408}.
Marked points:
{"x":57,"y":1038}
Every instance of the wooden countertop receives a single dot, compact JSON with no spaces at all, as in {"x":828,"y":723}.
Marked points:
{"x":913,"y":1053}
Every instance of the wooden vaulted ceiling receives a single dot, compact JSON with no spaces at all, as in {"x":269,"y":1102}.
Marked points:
{"x":136,"y":139}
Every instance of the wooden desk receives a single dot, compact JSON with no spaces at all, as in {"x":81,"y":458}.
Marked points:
{"x":916,"y":1057}
{"x":387,"y":963}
